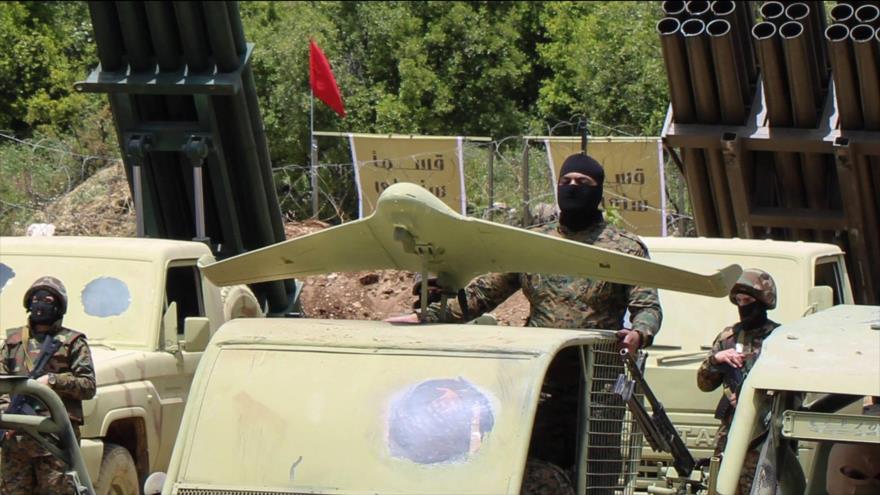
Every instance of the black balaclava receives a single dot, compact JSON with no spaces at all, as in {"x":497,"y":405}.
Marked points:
{"x":579,"y":204}
{"x":42,"y":312}
{"x":752,"y":315}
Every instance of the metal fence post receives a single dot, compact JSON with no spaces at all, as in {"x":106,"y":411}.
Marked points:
{"x":527,"y":216}
{"x":314,"y":177}
{"x":491,"y":166}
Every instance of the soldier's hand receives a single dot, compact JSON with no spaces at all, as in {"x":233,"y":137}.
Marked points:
{"x":410,"y":318}
{"x":733,"y":399}
{"x":434,"y":292}
{"x":629,"y":339}
{"x":44,"y":380}
{"x":729,"y":356}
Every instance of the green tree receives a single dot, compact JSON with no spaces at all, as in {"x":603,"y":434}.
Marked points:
{"x":47,"y":47}
{"x":605,"y":64}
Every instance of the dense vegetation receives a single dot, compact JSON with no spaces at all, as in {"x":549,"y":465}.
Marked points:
{"x":495,"y":69}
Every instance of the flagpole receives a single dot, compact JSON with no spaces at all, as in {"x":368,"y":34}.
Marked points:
{"x":313,"y":145}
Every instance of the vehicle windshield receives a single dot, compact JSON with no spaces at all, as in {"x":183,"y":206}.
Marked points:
{"x":382,"y":421}
{"x":108,"y":300}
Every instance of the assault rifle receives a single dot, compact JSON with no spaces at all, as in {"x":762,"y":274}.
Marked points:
{"x":733,"y":379}
{"x":658,"y":429}
{"x":20,"y":404}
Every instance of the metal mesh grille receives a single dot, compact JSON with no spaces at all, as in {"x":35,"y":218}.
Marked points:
{"x":614,"y":441}
{"x":200,"y":491}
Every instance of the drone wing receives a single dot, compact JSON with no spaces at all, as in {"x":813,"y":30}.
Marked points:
{"x":414,"y":231}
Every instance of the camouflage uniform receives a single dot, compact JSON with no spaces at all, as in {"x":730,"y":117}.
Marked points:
{"x":544,"y":478}
{"x":562,"y":301}
{"x":711,"y":374}
{"x":27,"y":468}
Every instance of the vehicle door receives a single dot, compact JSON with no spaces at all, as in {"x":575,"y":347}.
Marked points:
{"x":183,"y":299}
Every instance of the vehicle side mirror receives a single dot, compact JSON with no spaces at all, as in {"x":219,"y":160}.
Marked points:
{"x":153,"y":483}
{"x":197,"y":333}
{"x":169,"y":328}
{"x":819,"y":298}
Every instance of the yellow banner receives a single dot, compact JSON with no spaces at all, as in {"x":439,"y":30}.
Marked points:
{"x":634,"y":183}
{"x":433,"y":163}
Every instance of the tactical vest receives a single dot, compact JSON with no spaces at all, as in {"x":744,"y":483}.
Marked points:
{"x":19,"y":362}
{"x":748,"y":340}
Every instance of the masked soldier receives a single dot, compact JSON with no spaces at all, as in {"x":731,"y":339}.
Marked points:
{"x":735,"y":352}
{"x":27,"y":468}
{"x":560,"y":301}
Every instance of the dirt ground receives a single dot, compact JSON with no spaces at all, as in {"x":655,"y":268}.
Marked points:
{"x":373,"y":295}
{"x":102,"y":206}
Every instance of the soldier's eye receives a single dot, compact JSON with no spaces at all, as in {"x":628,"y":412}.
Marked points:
{"x":853,"y":473}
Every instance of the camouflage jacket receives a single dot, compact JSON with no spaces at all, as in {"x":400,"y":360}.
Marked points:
{"x":71,"y":365}
{"x":561,"y":301}
{"x":711,"y":375}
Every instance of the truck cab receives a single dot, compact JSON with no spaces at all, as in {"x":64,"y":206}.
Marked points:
{"x":148,"y":314}
{"x":325,"y":406}
{"x":802,"y":390}
{"x":809,"y":277}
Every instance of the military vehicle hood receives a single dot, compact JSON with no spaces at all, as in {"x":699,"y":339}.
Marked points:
{"x":118,"y":366}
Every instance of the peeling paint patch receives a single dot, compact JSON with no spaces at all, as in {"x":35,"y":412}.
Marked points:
{"x":106,"y":296}
{"x":6,"y":274}
{"x":439,"y":421}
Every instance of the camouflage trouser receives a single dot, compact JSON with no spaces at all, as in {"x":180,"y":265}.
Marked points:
{"x":750,"y":463}
{"x":545,"y":478}
{"x":28,"y":469}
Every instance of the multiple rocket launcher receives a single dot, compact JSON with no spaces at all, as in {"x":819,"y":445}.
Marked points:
{"x":184,"y":101}
{"x":779,"y":73}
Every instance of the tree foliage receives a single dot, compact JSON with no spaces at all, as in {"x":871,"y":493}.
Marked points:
{"x":446,"y":68}
{"x":47,"y":46}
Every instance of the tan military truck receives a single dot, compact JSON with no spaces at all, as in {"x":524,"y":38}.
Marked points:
{"x":802,"y":390}
{"x":809,"y":277}
{"x":809,"y":387}
{"x":148,"y":314}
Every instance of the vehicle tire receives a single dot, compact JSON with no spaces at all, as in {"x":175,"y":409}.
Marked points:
{"x":118,"y":475}
{"x":239,"y":302}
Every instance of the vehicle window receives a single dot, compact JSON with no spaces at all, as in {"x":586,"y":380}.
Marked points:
{"x":6,"y":274}
{"x":555,"y":432}
{"x":828,"y":273}
{"x":184,"y":287}
{"x":106,"y":296}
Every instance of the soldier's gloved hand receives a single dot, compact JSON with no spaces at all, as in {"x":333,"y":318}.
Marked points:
{"x":729,"y":356}
{"x":434,"y":292}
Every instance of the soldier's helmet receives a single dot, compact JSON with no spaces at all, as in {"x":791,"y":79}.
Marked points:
{"x":52,"y":285}
{"x":756,"y":283}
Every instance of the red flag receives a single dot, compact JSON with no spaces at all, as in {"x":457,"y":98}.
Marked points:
{"x":322,"y":80}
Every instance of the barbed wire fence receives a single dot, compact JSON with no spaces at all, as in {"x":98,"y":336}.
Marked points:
{"x":338,"y":195}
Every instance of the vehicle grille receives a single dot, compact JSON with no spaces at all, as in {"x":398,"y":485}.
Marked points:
{"x":614,"y":441}
{"x":200,"y":491}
